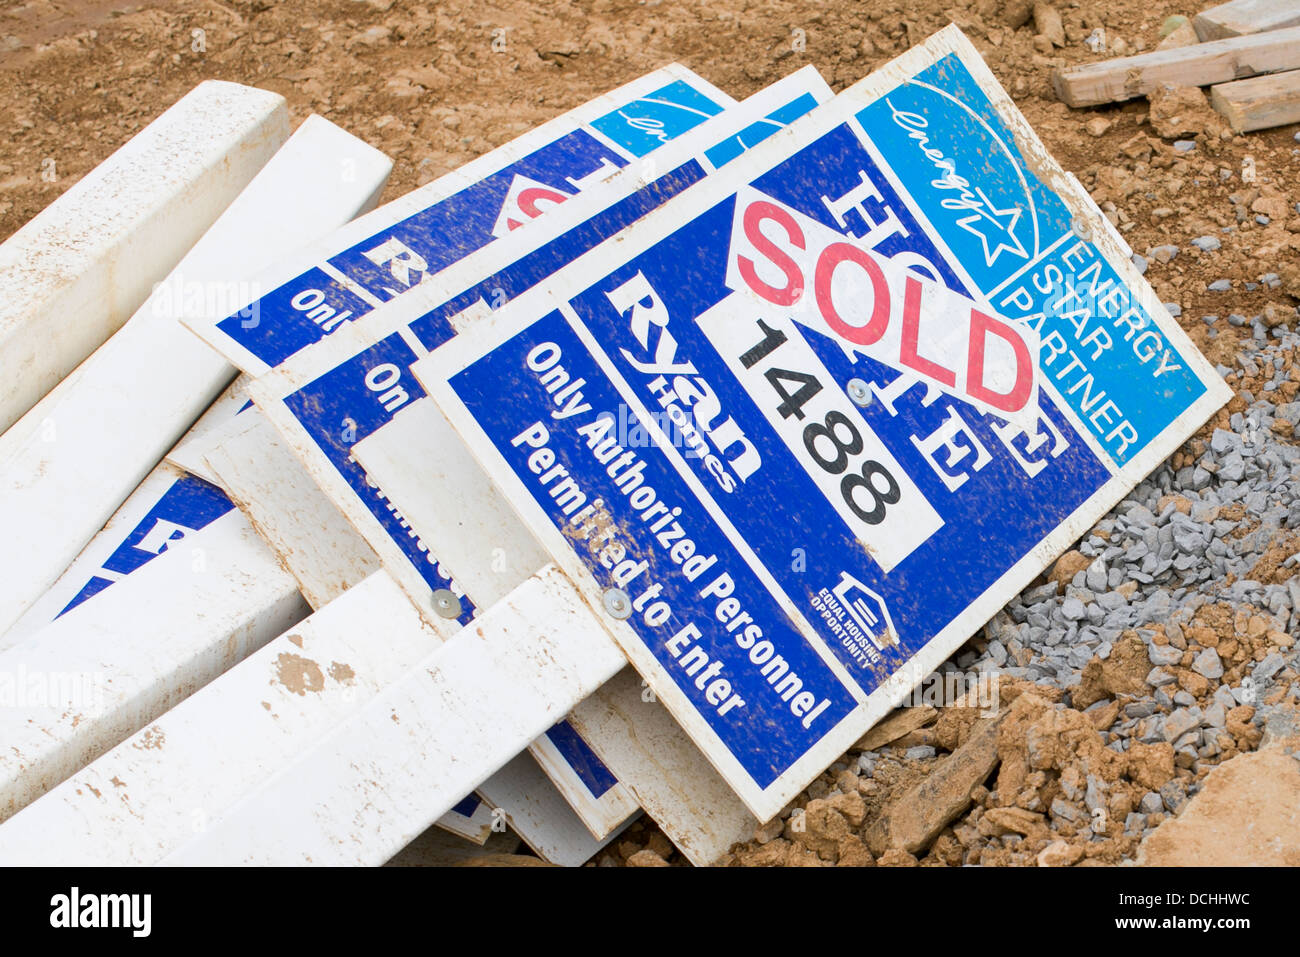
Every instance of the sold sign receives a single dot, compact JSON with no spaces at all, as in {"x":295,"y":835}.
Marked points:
{"x":869,"y":304}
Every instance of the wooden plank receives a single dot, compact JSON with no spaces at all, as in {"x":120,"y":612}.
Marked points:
{"x":427,"y":472}
{"x":1260,"y":103}
{"x":1242,"y":17}
{"x":136,"y":650}
{"x":125,"y":406}
{"x":227,"y":738}
{"x":326,"y":556}
{"x":368,"y":787}
{"x":73,"y":274}
{"x":1205,"y":64}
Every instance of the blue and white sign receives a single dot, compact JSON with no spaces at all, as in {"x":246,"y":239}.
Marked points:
{"x":349,"y":387}
{"x":819,"y":417}
{"x":381,"y":256}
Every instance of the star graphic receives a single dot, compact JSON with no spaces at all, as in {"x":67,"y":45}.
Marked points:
{"x":991,"y":220}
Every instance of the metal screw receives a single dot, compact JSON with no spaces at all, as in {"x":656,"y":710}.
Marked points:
{"x":618,"y":603}
{"x":1081,"y":228}
{"x":859,"y":392}
{"x":446,"y":604}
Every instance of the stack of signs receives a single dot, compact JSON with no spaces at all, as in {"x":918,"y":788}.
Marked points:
{"x":380,"y":265}
{"x":797,"y":401}
{"x":802,"y":431}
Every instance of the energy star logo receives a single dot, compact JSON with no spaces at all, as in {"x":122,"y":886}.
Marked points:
{"x":74,"y":909}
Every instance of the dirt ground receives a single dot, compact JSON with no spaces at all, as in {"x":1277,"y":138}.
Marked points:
{"x":435,"y":85}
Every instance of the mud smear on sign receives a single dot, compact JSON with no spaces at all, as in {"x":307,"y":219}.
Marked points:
{"x":299,"y":674}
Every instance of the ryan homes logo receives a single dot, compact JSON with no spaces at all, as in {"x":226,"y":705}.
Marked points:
{"x":76,"y":910}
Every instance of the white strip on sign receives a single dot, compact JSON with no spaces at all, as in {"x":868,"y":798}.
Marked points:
{"x":126,"y":405}
{"x":768,"y":612}
{"x":73,"y":274}
{"x":333,"y":282}
{"x":346,"y":388}
{"x":165,"y":508}
{"x":322,"y":551}
{"x":442,"y":492}
{"x":326,"y":556}
{"x":84,"y":683}
{"x":373,"y":783}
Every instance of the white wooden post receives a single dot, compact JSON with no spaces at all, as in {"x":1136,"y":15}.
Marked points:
{"x":73,"y":274}
{"x":76,"y":456}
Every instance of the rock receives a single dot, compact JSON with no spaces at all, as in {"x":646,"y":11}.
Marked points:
{"x":1097,"y":126}
{"x":1182,"y":36}
{"x":1208,"y":665}
{"x":854,"y":853}
{"x":1016,"y":13}
{"x":1047,"y":21}
{"x":1207,"y":244}
{"x":913,"y":820}
{"x":1150,"y":765}
{"x":822,"y":828}
{"x":1247,"y":813}
{"x":1059,"y":854}
{"x":1164,"y":655}
{"x":1014,"y":820}
{"x":1124,"y":671}
{"x":851,"y":805}
{"x":896,"y":857}
{"x":1066,"y":567}
{"x":1220,"y":285}
{"x":646,"y":858}
{"x":772,"y":854}
{"x":1182,"y":110}
{"x":1096,"y":576}
{"x":1173,"y":795}
{"x":1180,"y":722}
{"x":766,"y":833}
{"x":1066,"y":811}
{"x":894,"y":725}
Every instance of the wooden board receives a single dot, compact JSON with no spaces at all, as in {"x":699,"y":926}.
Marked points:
{"x":72,"y":275}
{"x":134,"y":651}
{"x":76,"y":456}
{"x":367,"y":788}
{"x":1204,"y":64}
{"x":326,"y":556}
{"x":1242,"y":17}
{"x":1260,"y":103}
